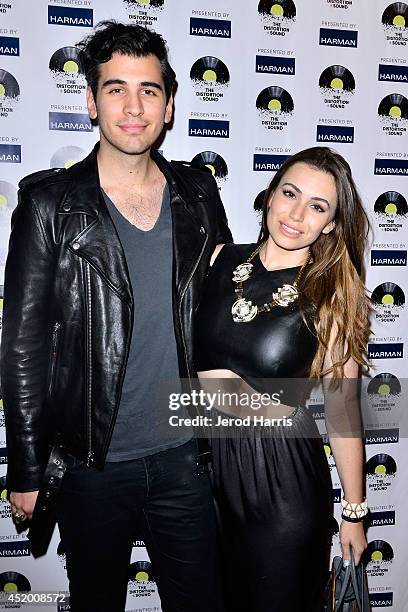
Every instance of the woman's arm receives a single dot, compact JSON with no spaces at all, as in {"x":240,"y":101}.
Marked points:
{"x":345,"y":436}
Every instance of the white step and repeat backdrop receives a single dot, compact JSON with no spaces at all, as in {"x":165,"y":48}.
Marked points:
{"x":257,"y":82}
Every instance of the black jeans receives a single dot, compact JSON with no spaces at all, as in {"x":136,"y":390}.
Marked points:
{"x":160,"y":499}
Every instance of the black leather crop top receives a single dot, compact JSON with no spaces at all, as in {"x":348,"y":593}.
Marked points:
{"x":275,"y":344}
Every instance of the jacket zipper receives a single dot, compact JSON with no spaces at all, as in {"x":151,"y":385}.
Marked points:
{"x":54,"y":347}
{"x":181,"y":302}
{"x":90,"y":454}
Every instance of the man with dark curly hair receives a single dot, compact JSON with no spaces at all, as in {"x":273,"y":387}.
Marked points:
{"x":105,"y":268}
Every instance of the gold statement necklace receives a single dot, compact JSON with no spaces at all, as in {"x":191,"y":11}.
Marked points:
{"x":242,"y":309}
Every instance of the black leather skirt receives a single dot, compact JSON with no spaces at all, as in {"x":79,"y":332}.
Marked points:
{"x":273,"y":495}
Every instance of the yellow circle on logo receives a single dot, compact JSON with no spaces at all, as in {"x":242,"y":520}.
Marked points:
{"x":384,"y":389}
{"x":380,"y":470}
{"x":10,"y":586}
{"x":143,"y":1}
{"x":211,"y":167}
{"x":327,"y":449}
{"x":210,"y":75}
{"x":274,"y":105}
{"x":69,"y":163}
{"x":277,"y":10}
{"x":377,"y":555}
{"x":142,"y":576}
{"x":2,"y":89}
{"x":337,"y":83}
{"x":395,"y":111}
{"x":399,"y":21}
{"x":71,"y":67}
{"x":4,"y":494}
{"x":391,"y":208}
{"x":387,"y":299}
{"x":3,"y":200}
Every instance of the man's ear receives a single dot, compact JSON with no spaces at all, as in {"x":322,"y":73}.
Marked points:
{"x":169,"y":110}
{"x":329,"y":227}
{"x":91,"y":104}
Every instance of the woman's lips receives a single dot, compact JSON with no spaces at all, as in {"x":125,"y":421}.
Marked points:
{"x":289,"y":231}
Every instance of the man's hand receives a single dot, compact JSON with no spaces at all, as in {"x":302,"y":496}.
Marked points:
{"x":23,"y":503}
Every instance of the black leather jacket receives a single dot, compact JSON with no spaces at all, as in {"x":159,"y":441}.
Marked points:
{"x":68,"y":308}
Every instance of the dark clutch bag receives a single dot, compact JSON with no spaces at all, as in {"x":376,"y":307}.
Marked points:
{"x":347,"y":590}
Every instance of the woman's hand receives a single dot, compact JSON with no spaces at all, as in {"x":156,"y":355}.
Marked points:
{"x":352,"y":534}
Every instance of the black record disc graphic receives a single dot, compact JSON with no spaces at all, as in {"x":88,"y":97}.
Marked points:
{"x":259,"y":200}
{"x":378,"y":550}
{"x":9,"y":87}
{"x":384,"y":384}
{"x":381,"y":464}
{"x":391,"y":203}
{"x":278,"y":8}
{"x":275,"y":99}
{"x":13,"y":581}
{"x":388,"y":294}
{"x":141,"y":571}
{"x":338,"y":78}
{"x":3,"y":488}
{"x":395,"y":106}
{"x":213,"y":161}
{"x":210,"y":70}
{"x":66,"y":60}
{"x":396,"y":14}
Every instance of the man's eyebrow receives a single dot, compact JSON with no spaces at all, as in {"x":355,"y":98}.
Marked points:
{"x":153,"y":84}
{"x":313,"y":197}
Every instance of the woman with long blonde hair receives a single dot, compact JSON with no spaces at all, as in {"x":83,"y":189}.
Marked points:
{"x":276,"y":317}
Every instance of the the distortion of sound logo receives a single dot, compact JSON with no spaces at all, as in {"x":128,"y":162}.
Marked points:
{"x":9,"y":93}
{"x":214,"y":162}
{"x":389,"y":300}
{"x":380,"y":472}
{"x":340,"y":4}
{"x":278,"y":16}
{"x":275,"y":108}
{"x":67,"y":72}
{"x":210,"y":78}
{"x":13,"y":582}
{"x":142,"y":580}
{"x":65,"y":157}
{"x":5,"y":508}
{"x":393,"y":114}
{"x":337,"y":86}
{"x":395,"y":23}
{"x":391,"y":211}
{"x":383,"y":393}
{"x":143,"y":12}
{"x":378,"y":557}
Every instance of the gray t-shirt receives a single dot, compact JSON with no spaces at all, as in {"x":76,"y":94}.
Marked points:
{"x":142,"y":428}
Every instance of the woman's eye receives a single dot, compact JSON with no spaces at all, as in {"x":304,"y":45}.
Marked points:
{"x":288,"y":194}
{"x":317,"y":207}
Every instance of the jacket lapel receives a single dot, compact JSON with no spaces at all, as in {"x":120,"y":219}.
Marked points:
{"x":98,"y":242}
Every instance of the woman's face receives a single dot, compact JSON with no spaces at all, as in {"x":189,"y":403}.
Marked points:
{"x":302,"y":207}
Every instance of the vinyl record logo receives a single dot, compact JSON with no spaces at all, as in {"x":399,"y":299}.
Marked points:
{"x":5,"y":508}
{"x":277,"y":16}
{"x":65,"y":68}
{"x":9,"y":93}
{"x":395,"y":24}
{"x":210,"y":78}
{"x":259,"y":201}
{"x":65,"y":157}
{"x":393,"y":114}
{"x":388,"y":299}
{"x":391,"y":210}
{"x":384,"y":385}
{"x":142,"y":581}
{"x":380,"y":466}
{"x":8,"y":197}
{"x":13,"y":582}
{"x":275,"y":106}
{"x":378,"y":557}
{"x":337,"y":85}
{"x":143,"y":12}
{"x":213,"y":162}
